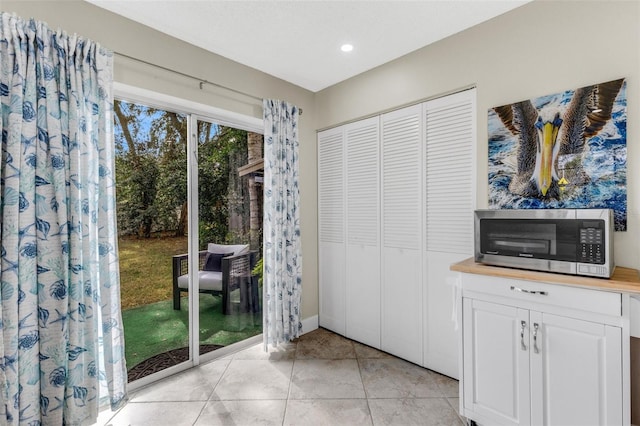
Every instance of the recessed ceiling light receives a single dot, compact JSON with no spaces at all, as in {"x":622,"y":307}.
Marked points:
{"x":346,"y":47}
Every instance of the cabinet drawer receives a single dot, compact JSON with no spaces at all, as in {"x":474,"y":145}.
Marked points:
{"x":570,"y":297}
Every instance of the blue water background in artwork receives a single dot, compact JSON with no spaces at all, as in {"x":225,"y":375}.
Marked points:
{"x":606,"y":164}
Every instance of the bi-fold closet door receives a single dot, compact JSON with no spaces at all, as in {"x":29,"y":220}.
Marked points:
{"x":449,"y":201}
{"x":349,"y":230}
{"x":363,"y":231}
{"x":428,"y":186}
{"x":331,"y":230}
{"x":402,"y":232}
{"x":396,"y":197}
{"x":370,"y":181}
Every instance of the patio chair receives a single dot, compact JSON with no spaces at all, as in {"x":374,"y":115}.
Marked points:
{"x":222,"y":269}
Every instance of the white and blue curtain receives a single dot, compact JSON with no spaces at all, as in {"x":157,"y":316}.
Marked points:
{"x":282,"y":276}
{"x":61,"y":336}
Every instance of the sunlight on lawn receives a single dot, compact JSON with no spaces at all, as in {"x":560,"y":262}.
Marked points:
{"x":145,"y":269}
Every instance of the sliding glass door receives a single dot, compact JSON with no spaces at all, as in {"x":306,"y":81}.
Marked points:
{"x":229,"y":234}
{"x":189,"y":194}
{"x":151,"y":178}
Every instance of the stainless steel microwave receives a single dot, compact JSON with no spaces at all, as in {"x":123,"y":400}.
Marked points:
{"x":568,"y":241}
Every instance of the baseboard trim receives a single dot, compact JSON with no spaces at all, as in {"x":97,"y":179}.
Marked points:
{"x":309,"y":324}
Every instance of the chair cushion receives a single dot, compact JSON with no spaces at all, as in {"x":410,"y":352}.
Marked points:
{"x":226,"y":249}
{"x":213,"y":262}
{"x":208,"y":280}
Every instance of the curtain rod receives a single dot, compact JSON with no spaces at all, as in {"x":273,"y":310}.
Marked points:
{"x":201,"y":80}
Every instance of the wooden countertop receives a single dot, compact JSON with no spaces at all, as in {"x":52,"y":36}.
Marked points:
{"x":624,"y":279}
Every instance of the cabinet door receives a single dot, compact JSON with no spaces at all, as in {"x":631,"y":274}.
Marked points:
{"x":576,"y":372}
{"x":363,"y":231}
{"x":401,"y":143}
{"x":331,"y":212}
{"x":496,"y":363}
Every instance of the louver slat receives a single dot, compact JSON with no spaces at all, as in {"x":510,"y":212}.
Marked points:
{"x":449,"y":179}
{"x":362,"y":183}
{"x":401,"y":170}
{"x":330,"y":187}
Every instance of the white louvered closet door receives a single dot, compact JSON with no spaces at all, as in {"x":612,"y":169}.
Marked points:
{"x":331,"y":224}
{"x":450,"y":141}
{"x":402,"y":321}
{"x":363,"y":231}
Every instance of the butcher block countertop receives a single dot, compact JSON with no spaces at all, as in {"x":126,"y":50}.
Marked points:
{"x":624,"y":279}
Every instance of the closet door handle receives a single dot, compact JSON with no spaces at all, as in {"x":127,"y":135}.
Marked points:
{"x":523,"y":325}
{"x":524,"y":290}
{"x":535,"y":338}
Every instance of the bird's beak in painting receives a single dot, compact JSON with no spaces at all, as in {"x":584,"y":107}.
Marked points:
{"x":548,"y":134}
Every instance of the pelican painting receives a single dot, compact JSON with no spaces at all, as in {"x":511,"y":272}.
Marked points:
{"x":566,"y":150}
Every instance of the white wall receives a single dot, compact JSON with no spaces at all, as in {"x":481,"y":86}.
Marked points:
{"x":541,"y":48}
{"x":138,"y":41}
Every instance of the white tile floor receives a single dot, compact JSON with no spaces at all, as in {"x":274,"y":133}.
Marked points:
{"x":321,"y":379}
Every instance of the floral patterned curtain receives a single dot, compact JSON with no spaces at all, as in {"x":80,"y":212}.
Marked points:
{"x":282,"y":276}
{"x":61,"y":336}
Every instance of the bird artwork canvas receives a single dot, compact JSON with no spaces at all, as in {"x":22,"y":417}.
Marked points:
{"x":566,"y":150}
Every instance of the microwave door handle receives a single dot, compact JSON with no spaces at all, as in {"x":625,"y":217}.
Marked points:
{"x":520,"y":244}
{"x":524,"y":290}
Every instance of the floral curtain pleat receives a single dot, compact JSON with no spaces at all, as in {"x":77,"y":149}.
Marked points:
{"x":61,"y":335}
{"x":282,"y":277}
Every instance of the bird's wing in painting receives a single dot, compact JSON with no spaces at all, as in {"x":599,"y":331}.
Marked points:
{"x":520,"y":119}
{"x":588,"y":112}
{"x":549,"y":133}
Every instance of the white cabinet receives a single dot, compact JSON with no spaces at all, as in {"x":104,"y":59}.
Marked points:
{"x":576,"y":373}
{"x":546,"y":355}
{"x":496,"y":367}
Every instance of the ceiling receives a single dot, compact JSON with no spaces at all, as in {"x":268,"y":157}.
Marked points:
{"x":299,"y":41}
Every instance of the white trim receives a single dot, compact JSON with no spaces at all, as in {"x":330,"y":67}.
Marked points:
{"x":309,"y":324}
{"x":473,"y":95}
{"x":193,"y":225}
{"x":218,"y":115}
{"x":626,"y":359}
{"x":397,"y":107}
{"x":230,"y":350}
{"x":634,"y":315}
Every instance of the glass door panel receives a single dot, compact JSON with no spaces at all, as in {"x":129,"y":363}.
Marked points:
{"x":151,"y":178}
{"x":229,"y":234}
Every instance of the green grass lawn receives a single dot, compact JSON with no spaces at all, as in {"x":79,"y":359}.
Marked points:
{"x":151,"y":325}
{"x":145,"y":269}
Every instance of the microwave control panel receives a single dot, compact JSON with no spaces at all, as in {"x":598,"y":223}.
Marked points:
{"x":591,"y":248}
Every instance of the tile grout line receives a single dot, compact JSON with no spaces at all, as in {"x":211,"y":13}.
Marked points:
{"x":293,"y":365}
{"x":462,"y":419}
{"x":214,"y":388}
{"x":366,"y":394}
